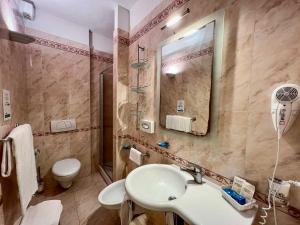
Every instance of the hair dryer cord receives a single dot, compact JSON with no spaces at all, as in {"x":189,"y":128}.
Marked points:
{"x":266,"y":209}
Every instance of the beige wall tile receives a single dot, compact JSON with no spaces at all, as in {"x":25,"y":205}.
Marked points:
{"x":260,"y":51}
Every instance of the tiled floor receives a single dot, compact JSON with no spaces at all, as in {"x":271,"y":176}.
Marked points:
{"x":80,"y":203}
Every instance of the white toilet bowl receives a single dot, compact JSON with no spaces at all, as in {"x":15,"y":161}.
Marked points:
{"x":113,"y":195}
{"x":64,"y":171}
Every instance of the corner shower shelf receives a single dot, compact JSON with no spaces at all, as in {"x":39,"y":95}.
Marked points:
{"x":139,"y":65}
{"x":139,"y":90}
{"x":134,"y":113}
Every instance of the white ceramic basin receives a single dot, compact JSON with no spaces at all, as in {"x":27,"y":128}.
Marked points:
{"x":112,"y":196}
{"x":152,"y":185}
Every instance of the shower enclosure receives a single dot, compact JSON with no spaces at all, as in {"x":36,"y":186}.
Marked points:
{"x":106,"y":122}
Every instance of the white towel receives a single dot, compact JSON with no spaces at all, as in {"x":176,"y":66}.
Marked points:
{"x":180,"y":123}
{"x":22,"y":141}
{"x":136,"y":156}
{"x":6,"y":165}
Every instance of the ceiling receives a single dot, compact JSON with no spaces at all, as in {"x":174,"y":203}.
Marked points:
{"x":97,"y":15}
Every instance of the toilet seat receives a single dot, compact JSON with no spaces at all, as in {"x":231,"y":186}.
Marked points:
{"x":66,"y":167}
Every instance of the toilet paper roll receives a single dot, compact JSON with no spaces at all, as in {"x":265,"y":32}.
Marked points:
{"x":136,"y":156}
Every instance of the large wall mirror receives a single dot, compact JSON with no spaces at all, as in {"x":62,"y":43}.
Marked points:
{"x":186,"y":80}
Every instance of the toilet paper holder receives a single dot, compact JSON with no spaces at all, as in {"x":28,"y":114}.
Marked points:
{"x":127,"y":147}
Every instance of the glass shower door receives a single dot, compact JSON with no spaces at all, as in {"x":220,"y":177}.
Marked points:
{"x":106,"y":121}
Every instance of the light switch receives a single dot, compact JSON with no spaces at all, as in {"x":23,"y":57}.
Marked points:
{"x":180,"y":106}
{"x":6,"y":105}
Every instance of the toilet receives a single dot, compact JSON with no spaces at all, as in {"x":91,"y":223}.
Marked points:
{"x":64,"y":171}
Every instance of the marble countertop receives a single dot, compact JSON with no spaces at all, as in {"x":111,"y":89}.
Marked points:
{"x":204,"y":205}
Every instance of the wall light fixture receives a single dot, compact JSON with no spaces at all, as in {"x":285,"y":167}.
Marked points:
{"x":175,"y":19}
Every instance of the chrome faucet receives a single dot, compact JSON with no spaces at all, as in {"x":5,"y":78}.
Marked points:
{"x":196,"y":171}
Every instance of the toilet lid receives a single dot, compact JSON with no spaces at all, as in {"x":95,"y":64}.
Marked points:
{"x":46,"y":213}
{"x":66,"y":167}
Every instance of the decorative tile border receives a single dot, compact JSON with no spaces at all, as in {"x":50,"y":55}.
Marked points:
{"x":121,"y":37}
{"x":60,"y":46}
{"x":289,"y":210}
{"x":71,"y":49}
{"x":44,"y":134}
{"x":102,"y":58}
{"x":188,"y":57}
{"x":221,"y":179}
{"x":158,"y":19}
{"x":123,"y":40}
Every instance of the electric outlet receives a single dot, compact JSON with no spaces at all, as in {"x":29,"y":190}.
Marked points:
{"x":280,"y":189}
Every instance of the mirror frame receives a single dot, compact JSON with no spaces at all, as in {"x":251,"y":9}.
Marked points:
{"x":218,"y":17}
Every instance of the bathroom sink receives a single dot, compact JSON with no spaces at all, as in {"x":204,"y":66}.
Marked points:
{"x":154,"y":186}
{"x":165,"y":188}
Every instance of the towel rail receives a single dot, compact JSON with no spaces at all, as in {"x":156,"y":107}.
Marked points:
{"x":8,"y":139}
{"x":127,"y":147}
{"x":5,"y":140}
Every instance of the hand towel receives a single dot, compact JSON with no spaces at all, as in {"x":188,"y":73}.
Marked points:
{"x":185,"y":123}
{"x":22,"y":143}
{"x":169,"y":121}
{"x":6,"y":165}
{"x":179,"y":123}
{"x":136,"y":156}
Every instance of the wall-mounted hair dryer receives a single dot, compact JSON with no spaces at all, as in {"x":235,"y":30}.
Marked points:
{"x":285,"y":107}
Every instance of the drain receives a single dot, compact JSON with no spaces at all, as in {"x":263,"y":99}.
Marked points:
{"x":171,"y":198}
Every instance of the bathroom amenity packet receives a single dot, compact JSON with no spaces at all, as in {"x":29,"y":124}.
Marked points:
{"x":243,"y":188}
{"x":237,"y":184}
{"x":247,"y":191}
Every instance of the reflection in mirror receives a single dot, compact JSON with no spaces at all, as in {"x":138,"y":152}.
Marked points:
{"x":186,"y":81}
